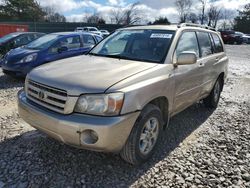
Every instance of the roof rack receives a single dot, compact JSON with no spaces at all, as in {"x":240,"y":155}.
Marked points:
{"x":196,"y":25}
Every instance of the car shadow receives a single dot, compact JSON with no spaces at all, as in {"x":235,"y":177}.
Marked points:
{"x":8,"y":82}
{"x":42,"y":162}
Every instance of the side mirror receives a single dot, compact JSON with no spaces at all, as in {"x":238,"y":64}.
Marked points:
{"x":186,"y":58}
{"x":62,"y":49}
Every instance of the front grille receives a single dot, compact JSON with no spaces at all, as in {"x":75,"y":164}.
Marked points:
{"x":49,"y":97}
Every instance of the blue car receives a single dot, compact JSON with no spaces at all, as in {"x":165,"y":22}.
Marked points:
{"x":20,"y":61}
{"x":15,"y":40}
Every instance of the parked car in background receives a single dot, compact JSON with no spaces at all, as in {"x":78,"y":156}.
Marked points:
{"x":119,"y":98}
{"x":51,"y":47}
{"x":231,"y":37}
{"x":105,"y":33}
{"x":17,"y":39}
{"x":246,"y":38}
{"x":89,"y":29}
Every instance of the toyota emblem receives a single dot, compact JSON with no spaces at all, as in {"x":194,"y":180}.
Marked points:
{"x":41,"y":95}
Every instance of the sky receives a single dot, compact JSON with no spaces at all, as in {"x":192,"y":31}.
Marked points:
{"x":75,"y":10}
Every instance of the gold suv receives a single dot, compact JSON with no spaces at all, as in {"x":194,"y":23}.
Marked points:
{"x":120,"y":96}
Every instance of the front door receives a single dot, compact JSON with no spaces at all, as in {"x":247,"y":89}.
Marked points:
{"x":187,"y":77}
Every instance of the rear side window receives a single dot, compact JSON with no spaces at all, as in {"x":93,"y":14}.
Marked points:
{"x":205,"y":43}
{"x":188,"y":42}
{"x":217,"y":44}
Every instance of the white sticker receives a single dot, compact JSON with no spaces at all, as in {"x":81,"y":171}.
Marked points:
{"x":161,"y":35}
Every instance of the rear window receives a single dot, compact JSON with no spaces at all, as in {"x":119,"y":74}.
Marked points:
{"x":205,"y":43}
{"x":218,"y":47}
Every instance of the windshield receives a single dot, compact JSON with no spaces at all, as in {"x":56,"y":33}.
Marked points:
{"x":8,"y":37}
{"x":43,"y":42}
{"x":92,"y":29}
{"x":140,"y":45}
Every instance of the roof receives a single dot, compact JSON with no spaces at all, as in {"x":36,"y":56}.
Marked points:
{"x":20,"y":33}
{"x":72,"y":33}
{"x":157,"y":27}
{"x":173,"y":27}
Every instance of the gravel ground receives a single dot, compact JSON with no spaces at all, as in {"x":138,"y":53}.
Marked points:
{"x":201,"y":148}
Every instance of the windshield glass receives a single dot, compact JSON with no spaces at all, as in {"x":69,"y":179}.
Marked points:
{"x":43,"y":42}
{"x":92,"y":29}
{"x":140,"y":45}
{"x":8,"y":37}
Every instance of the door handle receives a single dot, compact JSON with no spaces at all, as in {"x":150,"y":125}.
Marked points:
{"x":217,"y":59}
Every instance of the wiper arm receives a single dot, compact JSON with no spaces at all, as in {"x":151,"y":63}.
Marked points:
{"x":119,"y":57}
{"x":94,"y":54}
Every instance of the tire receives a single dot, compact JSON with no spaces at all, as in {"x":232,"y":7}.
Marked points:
{"x":138,"y":148}
{"x":213,"y":99}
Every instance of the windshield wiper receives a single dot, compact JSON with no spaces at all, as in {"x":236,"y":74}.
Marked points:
{"x":94,"y":54}
{"x":120,"y":57}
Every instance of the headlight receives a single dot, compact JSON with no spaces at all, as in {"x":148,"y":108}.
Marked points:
{"x":103,"y":104}
{"x":29,"y":58}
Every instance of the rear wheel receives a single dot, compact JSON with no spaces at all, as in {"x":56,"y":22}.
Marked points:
{"x":144,"y":136}
{"x":213,"y":99}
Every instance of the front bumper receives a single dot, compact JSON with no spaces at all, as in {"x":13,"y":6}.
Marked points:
{"x":16,"y":69}
{"x":112,"y":131}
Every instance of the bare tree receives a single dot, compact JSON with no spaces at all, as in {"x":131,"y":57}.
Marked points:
{"x":214,"y":14}
{"x":228,"y":19}
{"x":94,"y":19}
{"x":183,"y":7}
{"x":116,"y":16}
{"x":202,"y":15}
{"x":127,"y":16}
{"x":132,"y":14}
{"x":52,"y":16}
{"x":192,"y":17}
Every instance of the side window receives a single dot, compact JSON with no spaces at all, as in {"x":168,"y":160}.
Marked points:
{"x":88,"y":40}
{"x":69,"y":42}
{"x":22,"y":40}
{"x":217,"y":43}
{"x":188,"y":42}
{"x":98,"y":38}
{"x":32,"y":37}
{"x":205,"y":43}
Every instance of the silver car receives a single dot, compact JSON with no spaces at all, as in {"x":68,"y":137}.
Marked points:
{"x":119,"y":98}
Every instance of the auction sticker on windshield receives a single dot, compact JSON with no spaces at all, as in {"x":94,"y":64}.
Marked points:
{"x":161,"y":35}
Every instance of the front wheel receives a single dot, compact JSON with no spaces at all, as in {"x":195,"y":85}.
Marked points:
{"x":213,"y":99}
{"x":144,"y":136}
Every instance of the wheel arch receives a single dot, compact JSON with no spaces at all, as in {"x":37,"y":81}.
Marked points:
{"x":163,"y":104}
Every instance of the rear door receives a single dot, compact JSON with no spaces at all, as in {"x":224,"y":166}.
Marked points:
{"x":187,"y":77}
{"x":209,"y":58}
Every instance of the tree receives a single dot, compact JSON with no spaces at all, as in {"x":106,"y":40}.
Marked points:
{"x":127,"y":16}
{"x":228,"y":21}
{"x":116,"y":16}
{"x":52,"y":16}
{"x":192,"y":17}
{"x":214,"y":14}
{"x":242,"y":21}
{"x":202,"y":15}
{"x":183,"y":7}
{"x":161,"y":20}
{"x":132,"y":14}
{"x":95,"y":19}
{"x":21,"y":10}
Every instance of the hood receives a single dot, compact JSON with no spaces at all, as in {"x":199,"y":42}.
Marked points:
{"x":18,"y":54}
{"x":87,"y":74}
